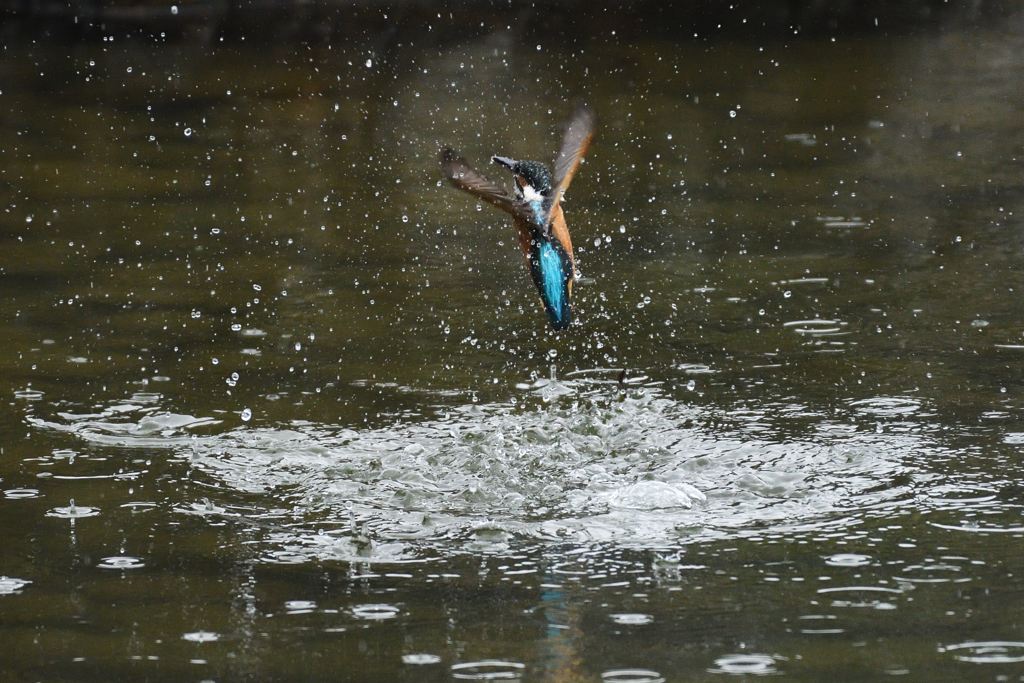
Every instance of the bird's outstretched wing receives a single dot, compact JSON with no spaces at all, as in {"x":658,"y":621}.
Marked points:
{"x":457,"y":171}
{"x":579,"y":131}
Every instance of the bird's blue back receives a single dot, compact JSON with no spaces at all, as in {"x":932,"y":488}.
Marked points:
{"x":552,"y":272}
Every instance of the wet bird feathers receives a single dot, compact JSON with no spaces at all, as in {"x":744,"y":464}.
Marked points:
{"x":543,"y":234}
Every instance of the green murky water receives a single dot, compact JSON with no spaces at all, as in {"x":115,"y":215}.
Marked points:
{"x":282,"y":406}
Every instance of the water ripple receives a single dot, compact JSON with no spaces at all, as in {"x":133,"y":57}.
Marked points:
{"x":847,"y":560}
{"x":632,"y":676}
{"x":12,"y":586}
{"x":989,"y":652}
{"x":120,"y":562}
{"x":743,"y":664}
{"x":488,"y":670}
{"x":299,"y":606}
{"x":21,"y":493}
{"x":375,"y":612}
{"x":632,"y":619}
{"x":73,"y":511}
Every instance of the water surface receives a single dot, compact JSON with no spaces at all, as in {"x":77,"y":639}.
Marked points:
{"x":283,"y":406}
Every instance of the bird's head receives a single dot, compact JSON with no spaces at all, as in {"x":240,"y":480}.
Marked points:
{"x":533,"y":179}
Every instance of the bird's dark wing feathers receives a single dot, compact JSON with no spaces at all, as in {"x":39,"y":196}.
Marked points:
{"x":457,"y":171}
{"x":578,"y":132}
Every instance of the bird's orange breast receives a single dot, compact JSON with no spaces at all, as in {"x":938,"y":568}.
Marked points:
{"x":558,"y":229}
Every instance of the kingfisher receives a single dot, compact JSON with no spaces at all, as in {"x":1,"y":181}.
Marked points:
{"x":536,"y":209}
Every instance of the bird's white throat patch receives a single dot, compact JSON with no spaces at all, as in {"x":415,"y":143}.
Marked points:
{"x":531,"y":195}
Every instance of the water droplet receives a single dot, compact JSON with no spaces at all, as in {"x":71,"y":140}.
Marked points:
{"x":188,"y":132}
{"x":369,"y":63}
{"x":246,"y":415}
{"x":174,"y":9}
{"x":787,"y":294}
{"x":691,"y":385}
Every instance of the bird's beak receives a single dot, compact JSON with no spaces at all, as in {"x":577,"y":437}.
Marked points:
{"x":504,"y":161}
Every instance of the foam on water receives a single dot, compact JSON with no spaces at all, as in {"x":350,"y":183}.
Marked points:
{"x":581,"y":461}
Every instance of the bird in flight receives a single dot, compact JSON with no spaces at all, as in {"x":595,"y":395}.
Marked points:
{"x":535,"y":205}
